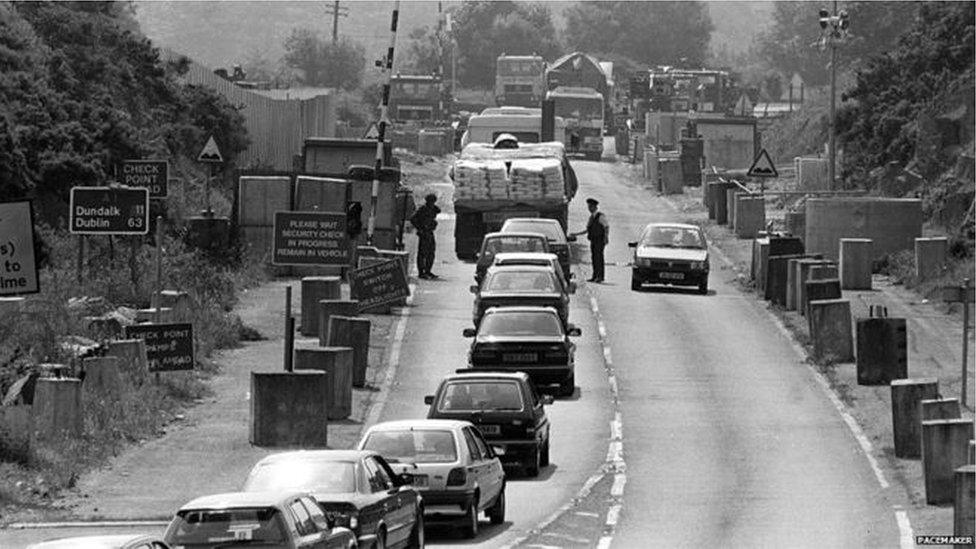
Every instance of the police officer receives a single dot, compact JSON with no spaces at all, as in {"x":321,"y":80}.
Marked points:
{"x":425,"y":221}
{"x":598,"y":233}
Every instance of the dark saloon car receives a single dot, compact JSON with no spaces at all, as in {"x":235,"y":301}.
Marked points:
{"x":670,"y":253}
{"x":526,"y":339}
{"x":505,"y":407}
{"x":551,"y":229}
{"x":357,"y":489}
{"x":518,"y":285}
{"x":494,"y":243}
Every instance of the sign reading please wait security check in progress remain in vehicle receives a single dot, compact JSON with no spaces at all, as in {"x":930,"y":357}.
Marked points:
{"x":310,"y":238}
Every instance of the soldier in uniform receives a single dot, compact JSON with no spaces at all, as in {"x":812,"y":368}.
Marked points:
{"x":425,"y":221}
{"x":598,"y":233}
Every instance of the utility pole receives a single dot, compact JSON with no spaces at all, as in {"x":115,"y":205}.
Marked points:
{"x":833,"y":30}
{"x":336,"y":11}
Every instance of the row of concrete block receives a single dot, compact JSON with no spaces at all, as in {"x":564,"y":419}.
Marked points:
{"x":728,"y":204}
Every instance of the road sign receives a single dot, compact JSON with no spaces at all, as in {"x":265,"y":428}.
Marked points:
{"x":151,"y":174}
{"x":958,"y":294}
{"x":109,"y":210}
{"x":372,"y":132}
{"x":210,"y":152}
{"x":18,"y":266}
{"x":169,"y":347}
{"x":310,"y":238}
{"x":378,"y":284}
{"x":762,"y":166}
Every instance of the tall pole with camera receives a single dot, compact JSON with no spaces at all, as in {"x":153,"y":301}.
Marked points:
{"x":833,"y":30}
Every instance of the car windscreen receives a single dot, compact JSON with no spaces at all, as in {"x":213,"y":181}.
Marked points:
{"x":305,"y":475}
{"x":552,"y":231}
{"x":208,"y":527}
{"x":502,"y":324}
{"x":672,"y":237}
{"x":521,"y":282}
{"x":471,"y":396}
{"x":417,"y":446}
{"x":516,"y":244}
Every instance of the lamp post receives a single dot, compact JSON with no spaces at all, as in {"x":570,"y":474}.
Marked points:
{"x":833,"y":30}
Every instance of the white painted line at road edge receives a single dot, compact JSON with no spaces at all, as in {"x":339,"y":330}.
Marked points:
{"x":907,"y":535}
{"x":393,"y":360}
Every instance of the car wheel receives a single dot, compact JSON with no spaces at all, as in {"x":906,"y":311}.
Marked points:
{"x":544,"y":459}
{"x":497,"y":511}
{"x":532,"y":464}
{"x":380,"y":542}
{"x":568,"y":387}
{"x":635,"y":283}
{"x":417,"y":536}
{"x":703,"y":288}
{"x":470,"y":527}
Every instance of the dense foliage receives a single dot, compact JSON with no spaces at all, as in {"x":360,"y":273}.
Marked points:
{"x":81,"y":90}
{"x":324,"y":63}
{"x":654,"y":33}
{"x":934,"y":58}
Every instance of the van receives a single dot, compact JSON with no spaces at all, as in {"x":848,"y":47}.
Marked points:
{"x":527,"y":128}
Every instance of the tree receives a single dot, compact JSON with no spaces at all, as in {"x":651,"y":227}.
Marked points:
{"x":323,"y":63}
{"x":421,"y":55}
{"x":303,"y":52}
{"x":653,"y":33}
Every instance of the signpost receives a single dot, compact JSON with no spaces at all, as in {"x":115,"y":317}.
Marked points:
{"x":169,"y":347}
{"x":210,"y":154}
{"x":310,"y":238}
{"x":964,"y":294}
{"x":378,"y":284}
{"x":18,"y":266}
{"x":762,"y":167}
{"x":151,"y":174}
{"x":109,"y":210}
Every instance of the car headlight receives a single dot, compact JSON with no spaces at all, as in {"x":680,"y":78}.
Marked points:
{"x":643,"y":262}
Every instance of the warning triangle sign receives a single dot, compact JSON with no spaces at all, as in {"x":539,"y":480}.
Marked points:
{"x":210,"y":152}
{"x":372,"y":132}
{"x":762,"y":166}
{"x":743,"y":107}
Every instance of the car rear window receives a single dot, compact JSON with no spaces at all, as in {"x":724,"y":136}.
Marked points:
{"x":520,"y":324}
{"x":313,"y":475}
{"x":252,"y":525}
{"x":471,"y":396}
{"x":521,"y":281}
{"x":672,"y":237}
{"x":418,"y":446}
{"x":515,"y":244}
{"x":552,"y":231}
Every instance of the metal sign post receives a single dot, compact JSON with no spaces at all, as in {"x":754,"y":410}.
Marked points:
{"x":962,"y":294}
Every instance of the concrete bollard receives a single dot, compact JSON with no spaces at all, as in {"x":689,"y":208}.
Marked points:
{"x":943,"y":451}
{"x":791,"y":275}
{"x":352,"y":332}
{"x":315,"y":289}
{"x":930,"y":256}
{"x":750,"y":215}
{"x":102,"y":381}
{"x":801,"y":276}
{"x":964,"y":502}
{"x":149,"y":315}
{"x":795,"y":223}
{"x":10,"y":306}
{"x":334,"y":307}
{"x":720,"y":201}
{"x":830,"y":330}
{"x":730,"y":195}
{"x":931,"y":409}
{"x":289,"y":409}
{"x":672,"y":180}
{"x":906,"y":398}
{"x":855,"y":263}
{"x":337,"y":363}
{"x":760,"y":254}
{"x":819,"y":290}
{"x":776,"y":279}
{"x":132,"y":357}
{"x":971,"y":455}
{"x":882,"y":350}
{"x":57,"y":412}
{"x":179,"y":302}
{"x":823,"y":271}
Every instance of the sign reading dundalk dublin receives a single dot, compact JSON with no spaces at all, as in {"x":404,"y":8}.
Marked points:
{"x":310,"y":238}
{"x":109,"y":210}
{"x":18,"y":266}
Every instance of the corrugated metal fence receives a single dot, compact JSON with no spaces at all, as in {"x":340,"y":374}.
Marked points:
{"x":277,"y":127}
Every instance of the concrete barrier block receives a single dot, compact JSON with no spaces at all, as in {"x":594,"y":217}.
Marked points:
{"x":337,"y":362}
{"x":314,"y":290}
{"x":931,"y":409}
{"x":672,"y":180}
{"x":930,"y":256}
{"x":149,"y":315}
{"x":824,"y":271}
{"x":819,"y":290}
{"x":882,"y":350}
{"x":720,"y":201}
{"x":730,"y":196}
{"x":891,"y":223}
{"x":906,"y":398}
{"x":801,"y":276}
{"x":795,"y":223}
{"x":791,"y":274}
{"x":830,"y":330}
{"x":334,"y":307}
{"x":964,"y":502}
{"x":776,"y":279}
{"x":132,"y":357}
{"x":57,"y":409}
{"x":971,"y":459}
{"x":10,"y":306}
{"x":856,"y":263}
{"x":15,"y":430}
{"x":750,"y":215}
{"x":179,"y":302}
{"x":103,"y":380}
{"x":760,"y":253}
{"x":352,"y":332}
{"x":289,"y":409}
{"x":943,"y":451}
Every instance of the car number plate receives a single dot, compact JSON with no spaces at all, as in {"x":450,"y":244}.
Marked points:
{"x":673,"y":276}
{"x":420,"y":481}
{"x":520,"y":357}
{"x":490,"y":429}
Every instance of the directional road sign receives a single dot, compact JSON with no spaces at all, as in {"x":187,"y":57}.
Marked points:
{"x":109,"y":210}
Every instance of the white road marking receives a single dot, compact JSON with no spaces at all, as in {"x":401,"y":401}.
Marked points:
{"x":586,"y":514}
{"x":393,"y":360}
{"x":907,"y":535}
{"x":613,"y":515}
{"x":604,"y":542}
{"x":619,"y":481}
{"x":616,"y":428}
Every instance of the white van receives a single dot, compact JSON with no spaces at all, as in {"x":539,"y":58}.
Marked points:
{"x":527,"y":128}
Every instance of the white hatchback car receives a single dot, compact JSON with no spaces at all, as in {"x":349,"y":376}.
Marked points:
{"x":456,"y":471}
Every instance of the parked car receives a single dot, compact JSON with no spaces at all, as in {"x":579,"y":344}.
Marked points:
{"x":356,"y":489}
{"x":455,"y":470}
{"x":520,"y":285}
{"x":526,"y":339}
{"x":536,"y":258}
{"x":552,"y":230}
{"x":110,"y":541}
{"x":494,"y":243}
{"x":670,"y":253}
{"x":261,"y":519}
{"x":505,"y":407}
